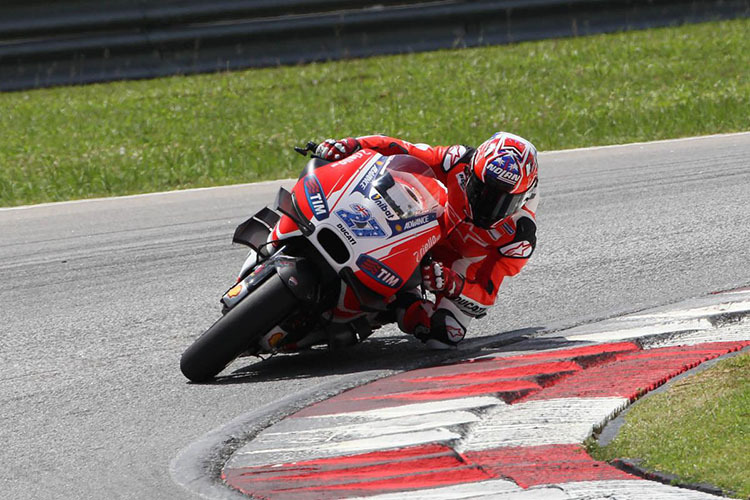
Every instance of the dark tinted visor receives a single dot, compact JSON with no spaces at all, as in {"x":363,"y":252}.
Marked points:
{"x":491,"y":204}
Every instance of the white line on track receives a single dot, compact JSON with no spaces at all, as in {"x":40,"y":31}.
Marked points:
{"x":631,"y":144}
{"x":192,"y":190}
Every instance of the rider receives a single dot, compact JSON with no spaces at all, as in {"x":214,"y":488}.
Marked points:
{"x":492,"y":197}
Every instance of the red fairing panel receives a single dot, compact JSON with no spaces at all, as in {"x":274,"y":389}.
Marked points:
{"x":330,"y":180}
{"x":285,"y":228}
{"x":387,"y":210}
{"x":387,"y":266}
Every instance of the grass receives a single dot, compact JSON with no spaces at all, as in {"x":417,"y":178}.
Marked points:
{"x":128,"y":137}
{"x":698,"y":429}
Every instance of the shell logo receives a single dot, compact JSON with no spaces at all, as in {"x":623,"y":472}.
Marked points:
{"x":235,"y":291}
{"x":276,"y":339}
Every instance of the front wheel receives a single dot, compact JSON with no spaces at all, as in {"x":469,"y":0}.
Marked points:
{"x":238,"y":329}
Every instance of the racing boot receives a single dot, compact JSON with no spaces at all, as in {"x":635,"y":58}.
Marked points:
{"x":439,"y":328}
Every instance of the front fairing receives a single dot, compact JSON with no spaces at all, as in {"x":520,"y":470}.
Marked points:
{"x":374,"y":215}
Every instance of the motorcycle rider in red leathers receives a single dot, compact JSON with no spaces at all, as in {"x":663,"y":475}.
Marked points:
{"x":492,"y":197}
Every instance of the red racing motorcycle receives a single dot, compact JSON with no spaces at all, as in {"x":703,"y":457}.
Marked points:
{"x":326,"y":262}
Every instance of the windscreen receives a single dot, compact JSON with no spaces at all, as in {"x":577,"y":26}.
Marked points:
{"x":407,"y":184}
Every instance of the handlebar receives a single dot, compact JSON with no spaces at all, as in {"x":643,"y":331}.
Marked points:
{"x":310,"y":146}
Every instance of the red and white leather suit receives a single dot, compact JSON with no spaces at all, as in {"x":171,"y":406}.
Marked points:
{"x":483,"y":257}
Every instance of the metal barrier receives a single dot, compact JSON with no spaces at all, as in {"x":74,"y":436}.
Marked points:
{"x":83,"y":41}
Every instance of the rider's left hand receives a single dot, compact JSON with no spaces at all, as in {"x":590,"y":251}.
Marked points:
{"x":440,"y":279}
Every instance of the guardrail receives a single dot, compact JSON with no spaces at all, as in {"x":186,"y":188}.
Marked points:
{"x":83,"y":41}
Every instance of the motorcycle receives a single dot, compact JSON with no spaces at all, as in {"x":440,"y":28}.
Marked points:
{"x":327,"y":261}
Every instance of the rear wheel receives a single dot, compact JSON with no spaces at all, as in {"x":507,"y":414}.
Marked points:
{"x":238,"y":329}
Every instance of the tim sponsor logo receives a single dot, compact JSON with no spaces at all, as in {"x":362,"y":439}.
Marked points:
{"x":379,"y":271}
{"x":315,"y":197}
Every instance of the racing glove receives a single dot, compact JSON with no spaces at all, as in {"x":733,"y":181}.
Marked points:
{"x":332,"y":149}
{"x":440,"y":279}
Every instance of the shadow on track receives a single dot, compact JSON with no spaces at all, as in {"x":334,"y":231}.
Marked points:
{"x":397,"y":353}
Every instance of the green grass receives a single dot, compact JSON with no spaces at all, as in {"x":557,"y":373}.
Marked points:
{"x":698,"y":429}
{"x":128,"y":137}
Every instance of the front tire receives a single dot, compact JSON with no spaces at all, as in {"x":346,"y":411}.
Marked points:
{"x":238,"y":329}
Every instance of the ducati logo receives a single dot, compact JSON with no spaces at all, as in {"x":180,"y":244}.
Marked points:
{"x":470,"y":307}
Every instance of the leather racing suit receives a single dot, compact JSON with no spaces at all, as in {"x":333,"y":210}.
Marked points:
{"x":484,"y":258}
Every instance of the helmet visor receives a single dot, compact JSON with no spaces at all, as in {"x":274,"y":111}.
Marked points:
{"x":491,"y":203}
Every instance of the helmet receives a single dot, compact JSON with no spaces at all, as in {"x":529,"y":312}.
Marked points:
{"x":502,"y":174}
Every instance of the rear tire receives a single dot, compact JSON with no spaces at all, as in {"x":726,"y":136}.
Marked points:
{"x":240,"y":328}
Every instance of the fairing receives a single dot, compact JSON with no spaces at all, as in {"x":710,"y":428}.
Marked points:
{"x":388,"y":211}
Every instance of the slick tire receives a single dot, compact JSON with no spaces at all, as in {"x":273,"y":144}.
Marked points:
{"x":238,"y":329}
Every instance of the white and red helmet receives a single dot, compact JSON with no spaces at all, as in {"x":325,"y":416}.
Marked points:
{"x":503,"y":174}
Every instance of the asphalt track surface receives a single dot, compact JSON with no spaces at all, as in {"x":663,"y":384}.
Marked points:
{"x":99,"y":298}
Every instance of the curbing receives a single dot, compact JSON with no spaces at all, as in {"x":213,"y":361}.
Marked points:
{"x":404,"y":433}
{"x":195,"y":467}
{"x":374,"y":439}
{"x":632,"y":466}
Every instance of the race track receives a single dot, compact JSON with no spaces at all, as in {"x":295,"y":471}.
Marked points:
{"x":99,"y":298}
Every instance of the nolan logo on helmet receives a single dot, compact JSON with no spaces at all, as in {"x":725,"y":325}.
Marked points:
{"x":505,"y":169}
